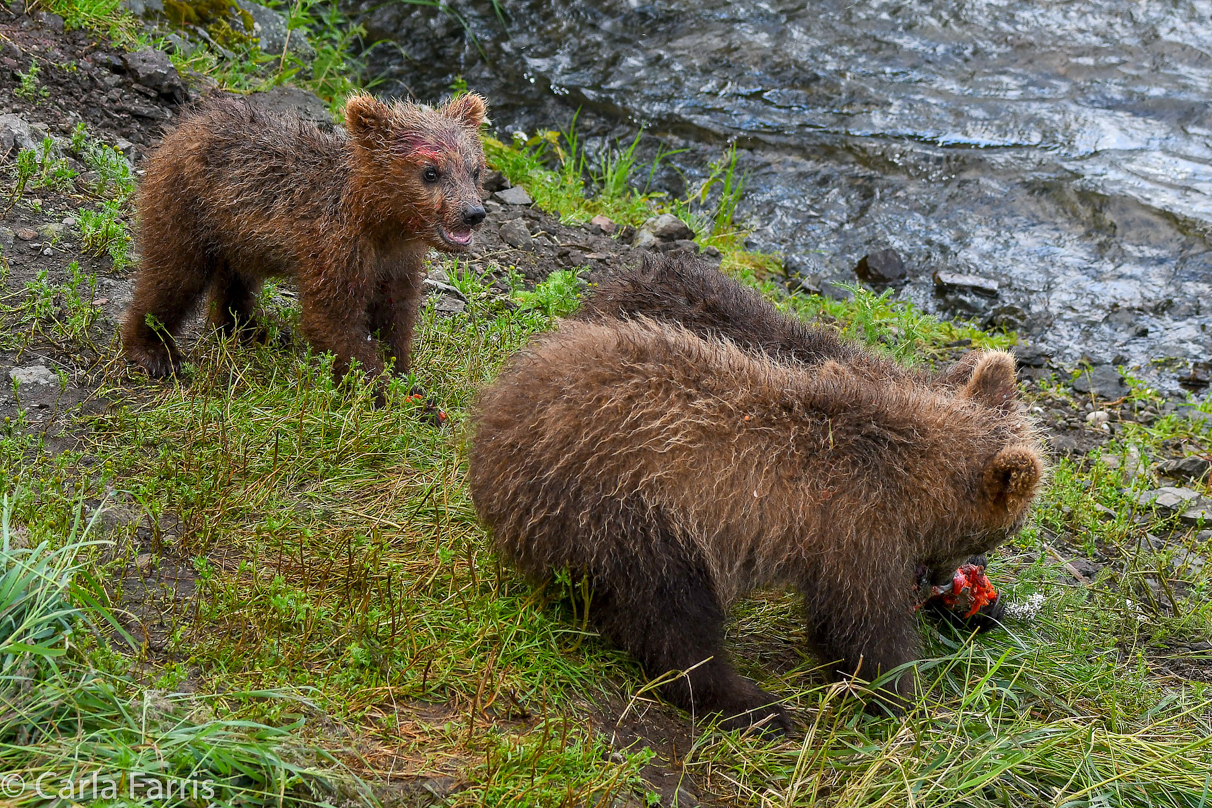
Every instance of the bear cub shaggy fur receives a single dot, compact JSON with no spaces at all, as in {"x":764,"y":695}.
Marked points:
{"x":235,"y":195}
{"x":678,"y":473}
{"x":680,"y":288}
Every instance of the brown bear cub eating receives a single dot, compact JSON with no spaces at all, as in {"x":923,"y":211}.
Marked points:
{"x":235,"y":195}
{"x":677,"y":473}
{"x":680,"y":288}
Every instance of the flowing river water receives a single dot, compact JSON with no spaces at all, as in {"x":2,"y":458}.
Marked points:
{"x":1063,"y":149}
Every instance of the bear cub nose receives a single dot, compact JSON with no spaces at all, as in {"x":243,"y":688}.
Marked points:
{"x":473,"y":216}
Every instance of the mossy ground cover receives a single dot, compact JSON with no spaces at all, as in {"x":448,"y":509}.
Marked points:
{"x":337,"y":625}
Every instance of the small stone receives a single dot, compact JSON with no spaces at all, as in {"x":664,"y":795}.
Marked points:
{"x":126,"y":147}
{"x":1201,"y":514}
{"x":1103,"y":381}
{"x":957,"y":282}
{"x":681,"y":245}
{"x":644,"y":239}
{"x":494,"y":181}
{"x":514,"y":196}
{"x":515,"y":234}
{"x":270,"y":29}
{"x":1031,"y":356}
{"x":881,"y":267}
{"x":51,"y":21}
{"x":51,"y":231}
{"x":1168,"y":498}
{"x":668,"y":227}
{"x":6,"y":237}
{"x":1196,"y":415}
{"x":448,"y":304}
{"x":33,"y":375}
{"x":1188,"y":468}
{"x":684,"y":799}
{"x":608,"y":226}
{"x":1201,"y":647}
{"x":1085,"y":567}
{"x":69,"y":221}
{"x":712,"y":252}
{"x":47,"y":251}
{"x":152,"y":68}
{"x":1098,"y":419}
{"x":26,"y":234}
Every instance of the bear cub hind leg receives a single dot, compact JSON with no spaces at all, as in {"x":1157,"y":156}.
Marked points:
{"x":666,"y":614}
{"x":233,"y":299}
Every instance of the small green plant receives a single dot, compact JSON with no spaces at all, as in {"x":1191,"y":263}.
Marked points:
{"x":112,"y":170}
{"x":103,"y":231}
{"x":557,"y":296}
{"x":79,"y":141}
{"x":29,"y":88}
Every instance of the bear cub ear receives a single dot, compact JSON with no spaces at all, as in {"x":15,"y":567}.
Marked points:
{"x":365,"y":115}
{"x":1013,"y":476}
{"x":992,"y":382}
{"x":470,"y":109}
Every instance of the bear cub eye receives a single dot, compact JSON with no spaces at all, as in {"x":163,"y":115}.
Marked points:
{"x":430,"y":174}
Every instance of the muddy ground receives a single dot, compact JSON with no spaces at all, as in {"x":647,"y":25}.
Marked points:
{"x":121,"y":104}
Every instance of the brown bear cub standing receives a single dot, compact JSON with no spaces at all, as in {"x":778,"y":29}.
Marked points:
{"x":235,"y":195}
{"x":677,"y":473}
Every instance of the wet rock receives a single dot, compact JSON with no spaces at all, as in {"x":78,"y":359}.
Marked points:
{"x":668,"y":227}
{"x":515,"y":234}
{"x":1009,"y":318}
{"x":513,"y":196}
{"x":33,"y":376}
{"x":1032,"y":356}
{"x":1194,"y":414}
{"x":956,"y":282}
{"x":1103,"y":381}
{"x":1197,"y":377}
{"x":881,"y":267}
{"x":1188,"y":468}
{"x":152,"y":68}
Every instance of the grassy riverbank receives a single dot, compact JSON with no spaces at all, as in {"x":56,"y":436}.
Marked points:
{"x":254,"y":577}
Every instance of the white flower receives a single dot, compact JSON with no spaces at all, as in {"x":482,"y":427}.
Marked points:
{"x":1025,"y":610}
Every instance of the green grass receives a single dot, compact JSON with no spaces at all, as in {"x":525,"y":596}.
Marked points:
{"x":348,"y":625}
